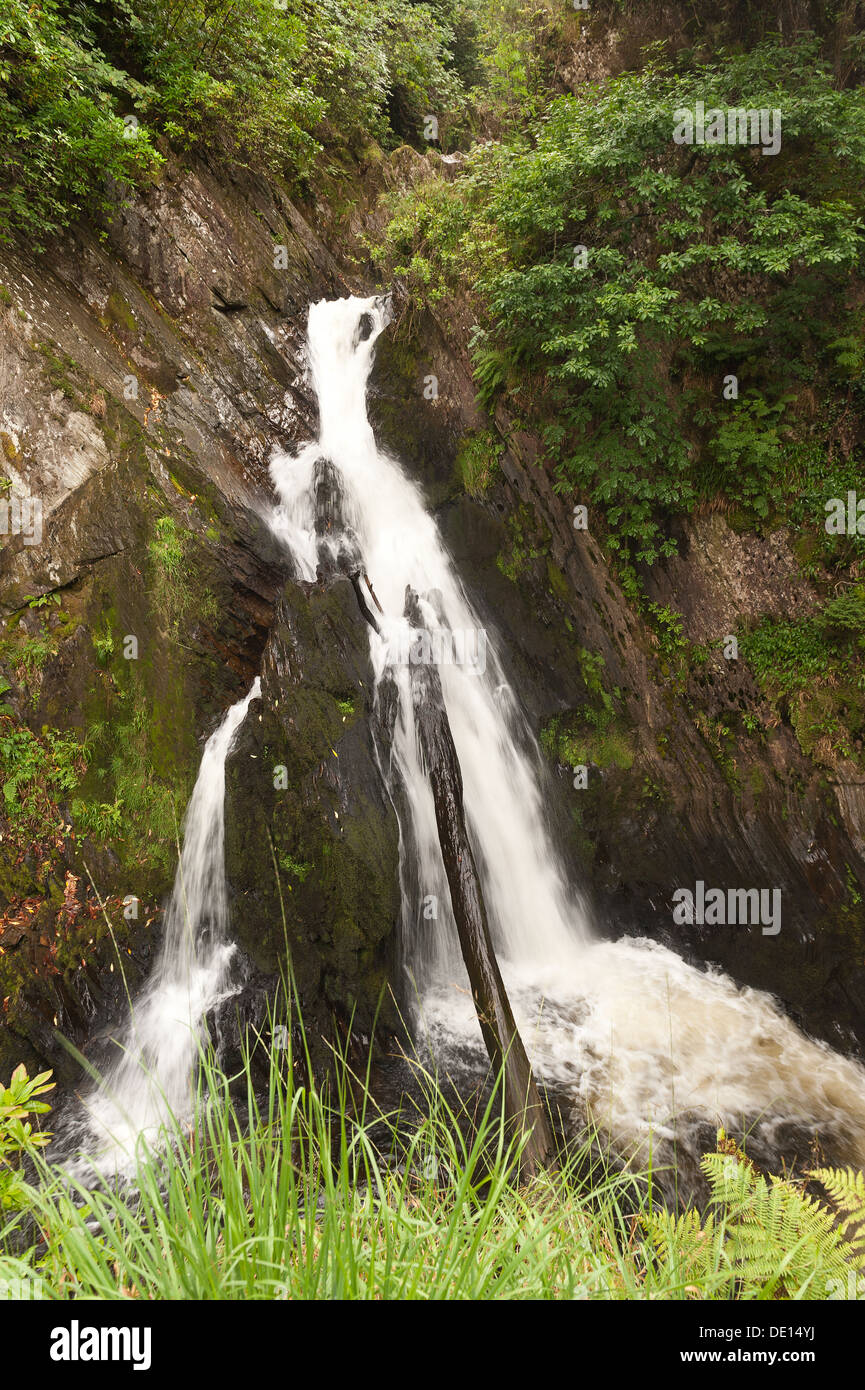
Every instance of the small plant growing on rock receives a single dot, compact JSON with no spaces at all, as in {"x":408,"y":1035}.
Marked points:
{"x":17,"y":1136}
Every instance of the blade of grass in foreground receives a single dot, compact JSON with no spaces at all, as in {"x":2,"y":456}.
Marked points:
{"x":288,"y":1190}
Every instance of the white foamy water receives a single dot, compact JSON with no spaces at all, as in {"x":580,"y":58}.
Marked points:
{"x":152,"y":1079}
{"x":639,"y":1040}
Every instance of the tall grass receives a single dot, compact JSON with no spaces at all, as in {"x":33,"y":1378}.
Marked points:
{"x":288,"y":1190}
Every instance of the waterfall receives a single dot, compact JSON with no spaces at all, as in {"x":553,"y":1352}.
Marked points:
{"x":647,"y":1045}
{"x":152,"y":1079}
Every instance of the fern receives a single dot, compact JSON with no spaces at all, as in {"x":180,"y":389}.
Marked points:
{"x":683,"y":1245}
{"x":764,"y":1237}
{"x":781,"y":1241}
{"x":846,"y":1190}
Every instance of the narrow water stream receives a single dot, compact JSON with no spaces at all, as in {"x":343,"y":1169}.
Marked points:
{"x":152,"y":1078}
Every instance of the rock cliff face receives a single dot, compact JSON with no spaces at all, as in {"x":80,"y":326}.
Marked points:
{"x":144,"y":379}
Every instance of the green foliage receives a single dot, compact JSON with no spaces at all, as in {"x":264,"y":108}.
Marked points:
{"x":63,"y":141}
{"x":178,"y":589}
{"x":776,"y":1240}
{"x":171,"y":578}
{"x":39,"y":771}
{"x":786,"y":654}
{"x":421,"y":1202}
{"x":815,"y":474}
{"x":17,"y":1136}
{"x":702,"y":261}
{"x":36,"y":650}
{"x":522,"y":549}
{"x":819,"y":660}
{"x":519,"y":43}
{"x":685,"y":1242}
{"x":846,"y":1190}
{"x":36,"y":770}
{"x":745,"y":455}
{"x":477,"y":461}
{"x":845,"y":615}
{"x":811,"y":668}
{"x":383,"y":65}
{"x":776,"y":1236}
{"x":668,"y":627}
{"x":677,"y":656}
{"x":27,"y":650}
{"x":594,"y":733}
{"x":295,"y":868}
{"x":103,"y":644}
{"x":146,"y":811}
{"x":101,"y":819}
{"x":85,"y":93}
{"x":585,"y":737}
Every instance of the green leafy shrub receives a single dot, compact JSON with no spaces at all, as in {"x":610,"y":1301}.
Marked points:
{"x":36,"y":770}
{"x":84,"y":93}
{"x":171,"y":584}
{"x":17,"y":1136}
{"x":103,"y":644}
{"x":846,"y":614}
{"x":776,"y":1240}
{"x":811,"y":668}
{"x":786,"y":654}
{"x":746,"y":455}
{"x":701,"y":262}
{"x":296,"y":868}
{"x":63,"y":140}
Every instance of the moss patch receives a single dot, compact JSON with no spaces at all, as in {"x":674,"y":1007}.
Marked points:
{"x":477,"y":461}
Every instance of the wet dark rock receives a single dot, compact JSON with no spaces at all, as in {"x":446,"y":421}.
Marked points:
{"x":312,"y":843}
{"x":128,"y":404}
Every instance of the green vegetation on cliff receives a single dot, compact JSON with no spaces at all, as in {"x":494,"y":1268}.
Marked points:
{"x":620,"y":280}
{"x":680,"y":323}
{"x":90,"y":93}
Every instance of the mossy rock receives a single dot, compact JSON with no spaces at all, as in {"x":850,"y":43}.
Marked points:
{"x":312,"y":842}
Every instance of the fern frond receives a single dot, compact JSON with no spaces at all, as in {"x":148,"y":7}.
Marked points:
{"x":687,"y":1246}
{"x":781,"y":1241}
{"x":846,"y":1189}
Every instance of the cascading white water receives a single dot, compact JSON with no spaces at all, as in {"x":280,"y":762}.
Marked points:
{"x":151,"y":1082}
{"x":643,"y":1042}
